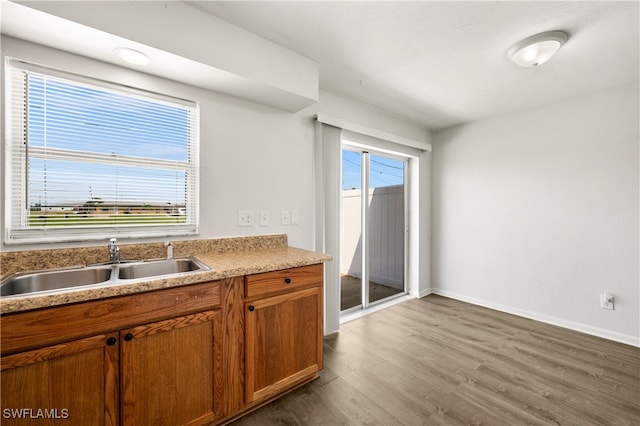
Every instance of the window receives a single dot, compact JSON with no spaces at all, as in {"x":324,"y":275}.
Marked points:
{"x":88,"y":159}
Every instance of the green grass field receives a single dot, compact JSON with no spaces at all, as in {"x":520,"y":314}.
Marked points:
{"x":98,"y":219}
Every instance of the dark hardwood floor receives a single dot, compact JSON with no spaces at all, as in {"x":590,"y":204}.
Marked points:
{"x":437,"y":361}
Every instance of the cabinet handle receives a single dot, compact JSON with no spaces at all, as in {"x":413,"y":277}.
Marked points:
{"x":128,"y":337}
{"x":111,"y":341}
{"x":252,"y":308}
{"x":287,"y":280}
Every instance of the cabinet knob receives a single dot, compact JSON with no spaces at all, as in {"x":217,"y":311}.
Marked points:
{"x":287,"y":280}
{"x":111,"y":341}
{"x":128,"y":337}
{"x":252,"y":308}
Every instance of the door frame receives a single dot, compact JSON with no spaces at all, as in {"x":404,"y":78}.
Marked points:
{"x":366,"y":151}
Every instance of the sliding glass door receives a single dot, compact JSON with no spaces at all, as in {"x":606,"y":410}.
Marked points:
{"x":373,"y":228}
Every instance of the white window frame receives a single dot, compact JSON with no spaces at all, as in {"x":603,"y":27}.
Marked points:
{"x":17,"y":230}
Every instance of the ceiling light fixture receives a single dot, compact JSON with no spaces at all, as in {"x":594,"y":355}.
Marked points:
{"x":537,"y":49}
{"x":132,"y":56}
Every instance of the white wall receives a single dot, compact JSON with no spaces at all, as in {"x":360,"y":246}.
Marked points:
{"x":537,"y":212}
{"x":253,"y":157}
{"x":374,"y":118}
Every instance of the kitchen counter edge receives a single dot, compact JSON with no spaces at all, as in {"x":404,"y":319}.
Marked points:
{"x":223,"y":265}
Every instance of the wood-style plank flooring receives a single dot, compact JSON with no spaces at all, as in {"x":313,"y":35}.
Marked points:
{"x":438,"y":361}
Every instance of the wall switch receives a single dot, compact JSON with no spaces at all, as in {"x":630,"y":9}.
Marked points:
{"x":264,"y":218}
{"x":245,"y":218}
{"x":295,"y":217}
{"x":606,"y":301}
{"x":285,"y":218}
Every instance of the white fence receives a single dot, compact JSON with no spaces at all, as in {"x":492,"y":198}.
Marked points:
{"x":386,"y":235}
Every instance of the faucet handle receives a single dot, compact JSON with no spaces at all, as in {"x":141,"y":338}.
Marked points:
{"x":169,"y":246}
{"x":113,"y":240}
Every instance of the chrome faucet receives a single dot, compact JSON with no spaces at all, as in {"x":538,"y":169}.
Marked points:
{"x":114,"y":251}
{"x":169,"y":245}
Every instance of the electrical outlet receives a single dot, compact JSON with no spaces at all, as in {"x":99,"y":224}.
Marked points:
{"x":245,"y":218}
{"x":250,"y":218}
{"x":285,"y":217}
{"x":264,"y":218}
{"x":606,"y":301}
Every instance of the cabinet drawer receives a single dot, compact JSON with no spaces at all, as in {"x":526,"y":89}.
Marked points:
{"x":44,"y":327}
{"x":283,"y":280}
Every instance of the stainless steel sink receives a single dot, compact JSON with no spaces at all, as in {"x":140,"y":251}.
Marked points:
{"x":159,"y":267}
{"x":60,"y":279}
{"x":47,"y":280}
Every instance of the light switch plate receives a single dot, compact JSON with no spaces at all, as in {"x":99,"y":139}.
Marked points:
{"x":285,"y":218}
{"x":295,"y":217}
{"x":264,"y":218}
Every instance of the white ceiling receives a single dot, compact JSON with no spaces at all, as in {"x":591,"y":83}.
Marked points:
{"x":443,"y":63}
{"x":94,"y":29}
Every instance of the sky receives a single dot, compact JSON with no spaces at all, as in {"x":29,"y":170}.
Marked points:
{"x":383,"y":171}
{"x":69,"y":116}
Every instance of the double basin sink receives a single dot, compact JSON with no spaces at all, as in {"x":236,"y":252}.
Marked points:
{"x":60,"y":279}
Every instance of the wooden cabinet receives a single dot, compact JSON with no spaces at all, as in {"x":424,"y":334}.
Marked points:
{"x":69,"y":383}
{"x":167,"y":372}
{"x":160,"y":372}
{"x":191,"y":355}
{"x":284,"y":330}
{"x":166,"y":376}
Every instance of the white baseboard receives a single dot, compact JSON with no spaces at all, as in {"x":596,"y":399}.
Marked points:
{"x":422,"y":293}
{"x":594,"y":331}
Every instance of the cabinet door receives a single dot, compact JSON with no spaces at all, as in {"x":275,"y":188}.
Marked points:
{"x":283,"y":342}
{"x":167,"y":372}
{"x":70,"y":383}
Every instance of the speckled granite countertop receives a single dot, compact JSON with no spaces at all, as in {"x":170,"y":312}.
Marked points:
{"x":227,"y":257}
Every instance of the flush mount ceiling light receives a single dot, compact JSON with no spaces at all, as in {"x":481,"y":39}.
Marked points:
{"x":132,"y":56}
{"x":537,"y":49}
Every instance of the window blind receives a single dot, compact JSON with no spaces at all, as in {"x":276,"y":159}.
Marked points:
{"x":87,"y":158}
